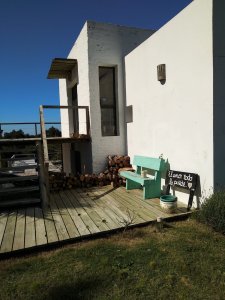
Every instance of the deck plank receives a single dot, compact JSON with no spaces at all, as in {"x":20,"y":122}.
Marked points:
{"x":125,"y":205}
{"x":99,"y":222}
{"x":120,"y":210}
{"x":90,"y":225}
{"x":180,"y":206}
{"x":136,"y":206}
{"x":3,"y":221}
{"x":79,"y":223}
{"x":19,"y":238}
{"x":41,"y":235}
{"x":156,"y":204}
{"x":70,"y":226}
{"x":51,"y":232}
{"x":110,"y":218}
{"x":30,"y":239}
{"x":147,"y":204}
{"x":59,"y":224}
{"x":8,"y":237}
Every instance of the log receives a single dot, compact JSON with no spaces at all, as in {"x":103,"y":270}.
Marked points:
{"x":115,"y":163}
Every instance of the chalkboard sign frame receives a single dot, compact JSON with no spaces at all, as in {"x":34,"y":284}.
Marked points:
{"x":185,"y":180}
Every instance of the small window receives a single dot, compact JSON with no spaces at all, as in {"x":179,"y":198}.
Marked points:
{"x":108,"y":100}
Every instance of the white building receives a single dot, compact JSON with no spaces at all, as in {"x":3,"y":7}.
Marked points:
{"x":98,"y":81}
{"x":181,"y":117}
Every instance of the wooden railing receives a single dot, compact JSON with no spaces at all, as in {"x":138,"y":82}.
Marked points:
{"x":35,"y":124}
{"x":42,"y":144}
{"x":43,"y":151}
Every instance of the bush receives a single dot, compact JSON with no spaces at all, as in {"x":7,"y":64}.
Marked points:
{"x":213,"y":211}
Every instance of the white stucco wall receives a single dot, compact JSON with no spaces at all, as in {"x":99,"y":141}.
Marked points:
{"x":107,"y":46}
{"x":175,"y":119}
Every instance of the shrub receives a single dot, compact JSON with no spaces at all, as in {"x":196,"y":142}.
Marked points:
{"x":213,"y":211}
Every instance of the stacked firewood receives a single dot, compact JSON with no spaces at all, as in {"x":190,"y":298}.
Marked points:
{"x":60,"y":181}
{"x":77,"y":135}
{"x":57,"y":180}
{"x":118,"y":161}
{"x":115,"y":164}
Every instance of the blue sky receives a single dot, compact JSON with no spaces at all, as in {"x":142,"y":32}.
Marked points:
{"x":33,"y":32}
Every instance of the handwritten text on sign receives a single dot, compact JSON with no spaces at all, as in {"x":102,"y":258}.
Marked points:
{"x":182,"y":179}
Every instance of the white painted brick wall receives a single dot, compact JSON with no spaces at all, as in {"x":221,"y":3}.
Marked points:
{"x":107,"y":45}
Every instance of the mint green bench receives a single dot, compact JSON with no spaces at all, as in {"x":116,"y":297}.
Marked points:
{"x":151,"y":185}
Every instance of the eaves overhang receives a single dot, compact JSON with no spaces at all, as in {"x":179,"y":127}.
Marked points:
{"x":61,"y":68}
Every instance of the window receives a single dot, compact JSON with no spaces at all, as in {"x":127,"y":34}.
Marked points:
{"x":108,"y":100}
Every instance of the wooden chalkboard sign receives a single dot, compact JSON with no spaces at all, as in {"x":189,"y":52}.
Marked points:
{"x":183,"y":180}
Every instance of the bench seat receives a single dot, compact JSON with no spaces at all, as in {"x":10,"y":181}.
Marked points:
{"x":134,"y":180}
{"x":134,"y":176}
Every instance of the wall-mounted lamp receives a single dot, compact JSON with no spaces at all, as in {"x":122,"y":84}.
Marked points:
{"x":161,"y":72}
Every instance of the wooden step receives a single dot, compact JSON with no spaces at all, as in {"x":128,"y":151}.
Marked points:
{"x":18,"y":178}
{"x":19,"y":168}
{"x":20,"y":202}
{"x":7,"y":191}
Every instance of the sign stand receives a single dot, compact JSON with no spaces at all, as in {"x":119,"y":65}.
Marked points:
{"x":183,"y":180}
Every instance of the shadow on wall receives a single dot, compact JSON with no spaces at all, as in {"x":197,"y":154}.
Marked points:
{"x":163,"y":175}
{"x":219,"y":93}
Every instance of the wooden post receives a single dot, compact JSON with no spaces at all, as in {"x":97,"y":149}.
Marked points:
{"x":45,"y":162}
{"x":35,"y":124}
{"x":43,"y":183}
{"x":88,"y":121}
{"x":43,"y":135}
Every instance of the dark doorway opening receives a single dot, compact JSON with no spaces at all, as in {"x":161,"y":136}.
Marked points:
{"x":75,"y":161}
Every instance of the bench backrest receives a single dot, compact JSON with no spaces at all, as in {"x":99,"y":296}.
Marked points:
{"x":148,"y":162}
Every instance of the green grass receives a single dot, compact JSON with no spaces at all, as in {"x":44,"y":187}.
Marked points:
{"x":184,"y":261}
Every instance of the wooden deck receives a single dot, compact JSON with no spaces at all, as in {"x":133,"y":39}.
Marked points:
{"x":75,"y":214}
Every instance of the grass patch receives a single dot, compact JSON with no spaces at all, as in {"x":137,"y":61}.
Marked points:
{"x":184,"y":261}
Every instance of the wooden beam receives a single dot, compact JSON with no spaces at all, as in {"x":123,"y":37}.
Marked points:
{"x":65,"y":106}
{"x":88,"y":122}
{"x":44,"y":165}
{"x":43,"y":135}
{"x":43,"y":182}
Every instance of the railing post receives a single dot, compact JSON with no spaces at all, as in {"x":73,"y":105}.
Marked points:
{"x":43,"y":134}
{"x":35,"y":124}
{"x":88,"y":121}
{"x":44,"y":185}
{"x":45,"y":162}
